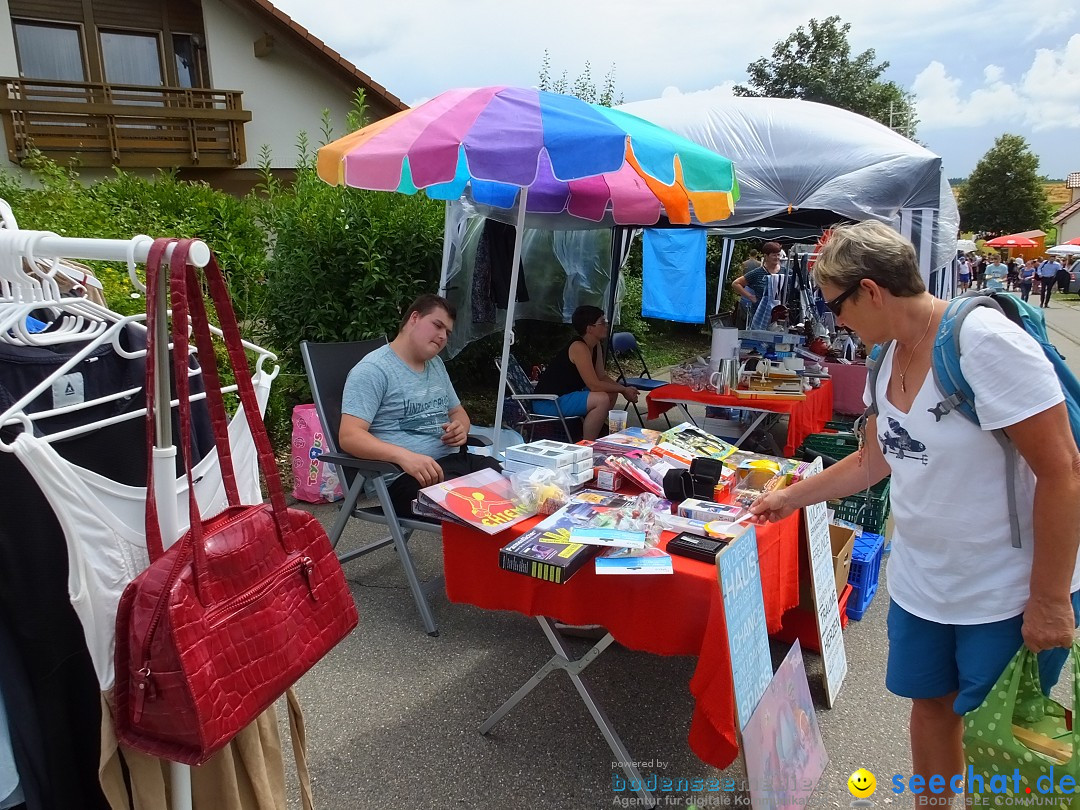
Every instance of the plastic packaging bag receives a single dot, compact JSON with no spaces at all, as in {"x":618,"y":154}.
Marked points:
{"x":313,"y":481}
{"x":542,"y":490}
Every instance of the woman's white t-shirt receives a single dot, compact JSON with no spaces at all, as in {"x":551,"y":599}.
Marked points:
{"x":952,"y":557}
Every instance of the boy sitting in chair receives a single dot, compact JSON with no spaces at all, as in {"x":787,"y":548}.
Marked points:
{"x":400,"y":406}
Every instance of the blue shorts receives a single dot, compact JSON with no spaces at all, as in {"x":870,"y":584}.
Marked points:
{"x":576,"y":403}
{"x":931,"y":660}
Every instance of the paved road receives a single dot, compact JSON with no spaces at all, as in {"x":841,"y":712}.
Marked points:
{"x":392,"y":714}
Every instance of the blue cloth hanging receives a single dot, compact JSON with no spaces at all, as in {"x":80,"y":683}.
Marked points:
{"x":673,"y":274}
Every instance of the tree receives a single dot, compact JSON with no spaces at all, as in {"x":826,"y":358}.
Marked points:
{"x":584,"y":87}
{"x":815,"y":64}
{"x":1005,"y":194}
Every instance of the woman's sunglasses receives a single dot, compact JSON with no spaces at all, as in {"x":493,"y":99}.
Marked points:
{"x":836,"y":304}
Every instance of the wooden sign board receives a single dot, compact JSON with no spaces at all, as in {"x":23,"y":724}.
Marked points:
{"x":826,"y":610}
{"x":744,"y":613}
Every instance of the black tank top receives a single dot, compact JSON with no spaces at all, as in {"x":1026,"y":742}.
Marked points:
{"x":561,"y":375}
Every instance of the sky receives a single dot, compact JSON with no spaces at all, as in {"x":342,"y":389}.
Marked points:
{"x":979,"y":68}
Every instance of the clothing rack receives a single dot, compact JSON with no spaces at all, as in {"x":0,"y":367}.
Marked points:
{"x":36,"y":244}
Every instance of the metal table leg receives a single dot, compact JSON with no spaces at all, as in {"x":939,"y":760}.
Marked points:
{"x":573,"y":668}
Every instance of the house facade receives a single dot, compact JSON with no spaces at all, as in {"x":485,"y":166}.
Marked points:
{"x":200,"y":85}
{"x":1067,"y":219}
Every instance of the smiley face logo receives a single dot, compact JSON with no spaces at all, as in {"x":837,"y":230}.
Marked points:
{"x":862,"y":784}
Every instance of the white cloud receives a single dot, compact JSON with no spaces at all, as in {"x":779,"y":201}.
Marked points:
{"x":1046,"y":96}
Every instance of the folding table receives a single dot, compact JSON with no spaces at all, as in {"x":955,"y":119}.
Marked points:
{"x":677,"y":614}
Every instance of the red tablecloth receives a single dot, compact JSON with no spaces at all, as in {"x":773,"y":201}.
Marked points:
{"x":805,"y":416}
{"x":682,"y":614}
{"x":849,"y":382}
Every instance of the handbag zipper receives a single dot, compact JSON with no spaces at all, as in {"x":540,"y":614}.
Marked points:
{"x":143,"y":678}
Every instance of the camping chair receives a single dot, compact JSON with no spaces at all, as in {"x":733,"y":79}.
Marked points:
{"x":625,"y":346}
{"x":328,"y":365}
{"x":521,"y":391}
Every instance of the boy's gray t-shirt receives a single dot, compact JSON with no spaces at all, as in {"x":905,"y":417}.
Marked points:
{"x":404,"y":407}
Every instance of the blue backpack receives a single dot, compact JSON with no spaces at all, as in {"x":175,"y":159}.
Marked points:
{"x":958,"y":394}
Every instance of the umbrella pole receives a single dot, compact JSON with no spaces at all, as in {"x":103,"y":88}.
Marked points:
{"x":508,"y":331}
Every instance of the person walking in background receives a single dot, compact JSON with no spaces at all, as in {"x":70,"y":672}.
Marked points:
{"x":1063,"y":280}
{"x":963,"y":596}
{"x":1047,"y":274}
{"x":1027,"y":277}
{"x":995,"y":275}
{"x":980,"y":273}
{"x":1013,"y":278}
{"x":963,"y":273}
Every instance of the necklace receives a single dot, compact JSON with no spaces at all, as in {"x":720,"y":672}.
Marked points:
{"x":911,"y":356}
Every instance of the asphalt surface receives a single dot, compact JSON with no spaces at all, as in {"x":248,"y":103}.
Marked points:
{"x":393,"y":715}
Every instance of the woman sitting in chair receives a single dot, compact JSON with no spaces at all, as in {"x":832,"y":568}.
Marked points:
{"x":577,"y":375}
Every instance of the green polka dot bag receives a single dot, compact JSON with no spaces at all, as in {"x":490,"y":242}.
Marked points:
{"x":1018,"y":745}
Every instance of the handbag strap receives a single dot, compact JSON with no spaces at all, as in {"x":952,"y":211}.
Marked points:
{"x":212,"y":384}
{"x":187,"y":299}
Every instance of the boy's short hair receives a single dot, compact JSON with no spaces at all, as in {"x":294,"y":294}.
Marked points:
{"x":585,"y":316}
{"x":425,"y":304}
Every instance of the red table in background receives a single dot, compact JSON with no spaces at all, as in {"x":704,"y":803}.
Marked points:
{"x":849,"y":382}
{"x":681,"y":614}
{"x":805,"y":416}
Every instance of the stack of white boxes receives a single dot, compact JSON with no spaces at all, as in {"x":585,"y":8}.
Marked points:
{"x":574,"y":460}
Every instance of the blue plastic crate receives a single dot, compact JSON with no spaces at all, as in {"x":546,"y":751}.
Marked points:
{"x":865,"y":570}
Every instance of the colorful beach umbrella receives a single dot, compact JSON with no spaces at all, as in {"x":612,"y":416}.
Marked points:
{"x":488,"y":143}
{"x":539,"y":153}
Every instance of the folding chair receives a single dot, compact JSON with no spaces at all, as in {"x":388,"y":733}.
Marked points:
{"x":521,"y":391}
{"x":328,"y":365}
{"x":625,"y":346}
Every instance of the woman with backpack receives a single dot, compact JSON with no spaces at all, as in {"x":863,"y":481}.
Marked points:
{"x":963,"y":597}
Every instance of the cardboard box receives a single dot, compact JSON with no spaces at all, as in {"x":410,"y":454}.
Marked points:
{"x":843,"y":541}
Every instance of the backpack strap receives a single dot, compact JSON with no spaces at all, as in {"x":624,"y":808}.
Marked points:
{"x":873,"y":369}
{"x":958,"y":395}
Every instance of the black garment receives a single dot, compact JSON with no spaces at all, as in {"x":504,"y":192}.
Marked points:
{"x":492,"y":270}
{"x":404,"y":488}
{"x":561,"y":375}
{"x":26,"y":742}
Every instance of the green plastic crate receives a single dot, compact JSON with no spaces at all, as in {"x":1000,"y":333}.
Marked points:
{"x":834,"y":445}
{"x":867,"y":509}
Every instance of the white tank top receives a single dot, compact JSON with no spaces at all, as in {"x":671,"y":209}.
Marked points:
{"x":103,"y":522}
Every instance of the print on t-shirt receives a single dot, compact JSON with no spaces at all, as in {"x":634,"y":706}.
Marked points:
{"x":426,"y":416}
{"x":897,"y":441}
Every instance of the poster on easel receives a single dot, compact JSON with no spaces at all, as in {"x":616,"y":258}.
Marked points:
{"x":785,"y":755}
{"x":744,"y":613}
{"x":823,"y":586}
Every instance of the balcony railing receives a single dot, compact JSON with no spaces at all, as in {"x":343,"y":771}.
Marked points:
{"x":123,"y":125}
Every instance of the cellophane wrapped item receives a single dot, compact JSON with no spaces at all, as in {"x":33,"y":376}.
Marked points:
{"x":543,"y":489}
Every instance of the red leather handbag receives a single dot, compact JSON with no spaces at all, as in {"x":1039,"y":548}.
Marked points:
{"x":221,"y":624}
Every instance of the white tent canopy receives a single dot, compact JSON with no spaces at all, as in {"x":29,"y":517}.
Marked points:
{"x":802,"y":164}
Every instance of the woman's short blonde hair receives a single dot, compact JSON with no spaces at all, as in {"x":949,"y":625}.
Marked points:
{"x":870,"y":250}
